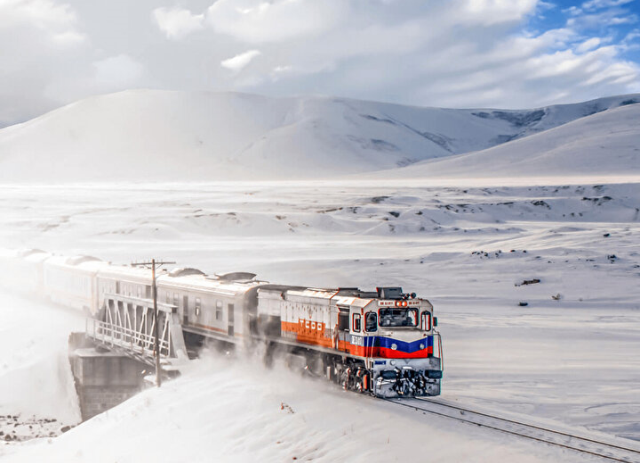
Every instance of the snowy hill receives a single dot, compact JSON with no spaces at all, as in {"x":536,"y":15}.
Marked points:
{"x":603,"y":144}
{"x":161,"y":135}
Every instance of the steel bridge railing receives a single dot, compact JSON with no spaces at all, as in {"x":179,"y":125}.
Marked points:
{"x":127,"y":338}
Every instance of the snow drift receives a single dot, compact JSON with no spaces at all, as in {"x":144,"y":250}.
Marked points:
{"x":162,"y":135}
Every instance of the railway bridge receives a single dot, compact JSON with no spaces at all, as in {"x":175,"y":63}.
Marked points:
{"x":127,"y":325}
{"x":117,"y":351}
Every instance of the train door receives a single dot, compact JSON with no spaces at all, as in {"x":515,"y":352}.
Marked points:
{"x":185,"y":310}
{"x":357,"y":339}
{"x":231,"y":308}
{"x":370,"y":330}
{"x":343,"y":328}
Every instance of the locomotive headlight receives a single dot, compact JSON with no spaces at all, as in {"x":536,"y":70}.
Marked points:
{"x":421,"y":346}
{"x":394,"y":346}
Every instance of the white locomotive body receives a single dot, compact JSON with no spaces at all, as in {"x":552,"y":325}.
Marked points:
{"x":378,"y":341}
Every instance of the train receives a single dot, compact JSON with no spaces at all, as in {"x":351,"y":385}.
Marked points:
{"x":383,"y":342}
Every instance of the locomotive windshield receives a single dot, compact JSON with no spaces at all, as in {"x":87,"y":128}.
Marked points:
{"x":398,"y":316}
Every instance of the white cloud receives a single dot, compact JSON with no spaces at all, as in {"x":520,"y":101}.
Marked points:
{"x":68,"y":38}
{"x":602,"y":19}
{"x":257,"y":21}
{"x":117,"y":71}
{"x":238,"y":62}
{"x":599,"y":4}
{"x":631,"y":41}
{"x":590,"y":44}
{"x":497,"y":11}
{"x":42,"y":14}
{"x":177,"y":22}
{"x":39,"y":41}
{"x":573,"y":10}
{"x":51,"y":21}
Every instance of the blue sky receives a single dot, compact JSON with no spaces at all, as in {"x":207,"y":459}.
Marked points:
{"x":453,"y":53}
{"x":615,"y":21}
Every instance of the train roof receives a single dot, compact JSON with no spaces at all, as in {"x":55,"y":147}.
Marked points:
{"x":128,"y":272}
{"x":229,"y":283}
{"x":87,"y":263}
{"x":36,"y":255}
{"x":317,"y":296}
{"x":26,"y":253}
{"x":353,"y":297}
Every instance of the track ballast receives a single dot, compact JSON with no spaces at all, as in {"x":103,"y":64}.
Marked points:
{"x":609,"y":451}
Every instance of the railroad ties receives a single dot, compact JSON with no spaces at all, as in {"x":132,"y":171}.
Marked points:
{"x":620,"y":451}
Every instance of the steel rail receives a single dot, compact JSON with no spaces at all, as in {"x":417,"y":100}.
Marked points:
{"x":623,"y":459}
{"x":445,"y":404}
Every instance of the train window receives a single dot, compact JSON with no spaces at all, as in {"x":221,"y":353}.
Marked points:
{"x":218,"y":310}
{"x":176,"y":299}
{"x":425,"y":321}
{"x":371,"y":322}
{"x":398,"y":316}
{"x":147,"y":290}
{"x":356,"y":322}
{"x":139,"y":291}
{"x":117,"y":287}
{"x":198,"y":305}
{"x":168,"y":298}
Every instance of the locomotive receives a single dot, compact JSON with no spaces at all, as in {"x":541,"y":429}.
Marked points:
{"x":382,"y":342}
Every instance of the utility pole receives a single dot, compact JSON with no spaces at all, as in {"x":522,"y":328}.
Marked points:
{"x":154,"y":291}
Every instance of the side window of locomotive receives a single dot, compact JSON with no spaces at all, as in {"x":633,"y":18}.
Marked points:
{"x":371,"y":322}
{"x":198,"y":305}
{"x":425,"y":321}
{"x":357,"y":319}
{"x":218,"y":310}
{"x":412,"y":317}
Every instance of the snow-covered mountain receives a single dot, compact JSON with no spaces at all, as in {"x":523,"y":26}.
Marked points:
{"x":161,"y":135}
{"x":604,"y":144}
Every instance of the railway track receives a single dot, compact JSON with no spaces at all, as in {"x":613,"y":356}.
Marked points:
{"x":606,"y":450}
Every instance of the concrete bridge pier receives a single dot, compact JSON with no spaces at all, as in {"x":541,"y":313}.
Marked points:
{"x":103,"y":378}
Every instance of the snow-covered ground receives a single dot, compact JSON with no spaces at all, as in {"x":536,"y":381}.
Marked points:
{"x":226,"y":411}
{"x":568,"y":363}
{"x":37,"y":395}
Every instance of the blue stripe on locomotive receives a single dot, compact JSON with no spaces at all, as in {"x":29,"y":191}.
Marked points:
{"x":401,"y":346}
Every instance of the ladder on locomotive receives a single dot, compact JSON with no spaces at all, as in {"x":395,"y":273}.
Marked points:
{"x":126,"y":324}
